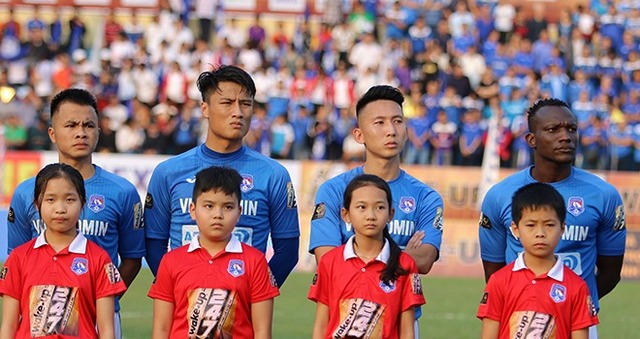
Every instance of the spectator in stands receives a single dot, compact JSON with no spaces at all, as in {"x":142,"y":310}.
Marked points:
{"x":443,"y":140}
{"x":418,"y":147}
{"x":472,"y":136}
{"x":282,"y":137}
{"x":503,"y":14}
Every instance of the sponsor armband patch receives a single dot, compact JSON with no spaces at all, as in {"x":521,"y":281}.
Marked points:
{"x":148,"y":201}
{"x":319,"y":211}
{"x":484,"y":221}
{"x":11,"y":216}
{"x":620,"y":222}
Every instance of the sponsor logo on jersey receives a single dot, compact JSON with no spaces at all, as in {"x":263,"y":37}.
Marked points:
{"x":319,"y":211}
{"x":97,"y":228}
{"x":3,"y":273}
{"x":53,"y":310}
{"x":11,"y":216}
{"x":485,"y":298}
{"x":620,"y":222}
{"x":388,"y":288}
{"x":416,"y":283}
{"x":247,"y":183}
{"x":138,"y":219}
{"x":575,"y":233}
{"x":558,"y":293}
{"x":236,"y":267}
{"x":112,"y":273}
{"x":291,"y":196}
{"x":148,"y":201}
{"x":244,"y":234}
{"x":191,"y":180}
{"x":484,"y":221}
{"x":360,"y":318}
{"x":572,"y":260}
{"x":575,"y":206}
{"x":530,"y":324}
{"x":96,"y":203}
{"x":407,"y":204}
{"x":210,"y":313}
{"x":438,"y":221}
{"x":80,"y":266}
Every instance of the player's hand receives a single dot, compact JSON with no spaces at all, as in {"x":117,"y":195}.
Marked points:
{"x":415,"y":241}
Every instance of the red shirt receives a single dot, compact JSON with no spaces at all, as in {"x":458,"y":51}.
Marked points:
{"x":213,"y":293}
{"x":359,"y":302}
{"x":548,"y":306}
{"x":58,"y":291}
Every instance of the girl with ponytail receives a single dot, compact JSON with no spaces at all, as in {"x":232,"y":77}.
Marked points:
{"x":368,"y":287}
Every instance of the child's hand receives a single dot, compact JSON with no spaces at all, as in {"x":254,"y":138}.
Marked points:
{"x":415,"y":241}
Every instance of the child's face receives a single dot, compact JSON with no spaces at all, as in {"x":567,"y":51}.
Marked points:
{"x":539,"y":231}
{"x":216,"y":214}
{"x":60,"y":206}
{"x":369,"y":211}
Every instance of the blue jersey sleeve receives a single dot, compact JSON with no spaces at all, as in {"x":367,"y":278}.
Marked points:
{"x":157,"y":205}
{"x":326,"y":220}
{"x":493,"y":235}
{"x":18,"y":227}
{"x":130,"y":226}
{"x":612,"y":232}
{"x":283,"y":208}
{"x":431,"y":212}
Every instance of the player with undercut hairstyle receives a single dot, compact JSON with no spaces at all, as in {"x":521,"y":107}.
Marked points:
{"x":593,"y":243}
{"x":269,"y":207}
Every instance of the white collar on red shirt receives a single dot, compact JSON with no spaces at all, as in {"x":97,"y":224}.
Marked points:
{"x":350,"y":253}
{"x":78,"y":245}
{"x":233,"y":246}
{"x":556,"y":272}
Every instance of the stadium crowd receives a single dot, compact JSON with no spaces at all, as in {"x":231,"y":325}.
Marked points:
{"x":459,"y":64}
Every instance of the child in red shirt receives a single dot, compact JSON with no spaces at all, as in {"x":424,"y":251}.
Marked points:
{"x":367,"y":287}
{"x":537,"y":296}
{"x":215,"y":287}
{"x":59,"y":285}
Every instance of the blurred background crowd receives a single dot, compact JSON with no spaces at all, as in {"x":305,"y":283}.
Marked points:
{"x":459,"y":63}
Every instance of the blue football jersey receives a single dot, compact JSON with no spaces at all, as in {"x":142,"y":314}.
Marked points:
{"x":111,"y":217}
{"x":418,"y":207}
{"x":595,"y":222}
{"x":268,"y":198}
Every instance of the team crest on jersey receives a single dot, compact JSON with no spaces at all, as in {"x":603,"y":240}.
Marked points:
{"x":416,"y":283}
{"x":388,"y":288}
{"x":319,"y":211}
{"x":148,"y":201}
{"x":484,"y":221}
{"x":291,"y":196}
{"x":558,"y":293}
{"x":236,"y":267}
{"x":247,"y":183}
{"x":620,"y":222}
{"x":438,"y":221}
{"x":96,"y":202}
{"x":575,"y":206}
{"x":80,"y":266}
{"x":11,"y":216}
{"x":3,"y":273}
{"x":407,"y":204}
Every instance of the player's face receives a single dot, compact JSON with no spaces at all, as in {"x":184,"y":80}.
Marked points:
{"x":229,"y":112}
{"x":369,"y":211}
{"x":74,"y":130}
{"x":60,"y":206}
{"x":216,"y":214}
{"x":554,"y":135}
{"x":539,"y":231}
{"x":382,"y":129}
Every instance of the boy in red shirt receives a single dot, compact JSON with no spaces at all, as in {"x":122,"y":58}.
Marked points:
{"x":537,"y":296}
{"x":59,"y":285}
{"x":215,"y":286}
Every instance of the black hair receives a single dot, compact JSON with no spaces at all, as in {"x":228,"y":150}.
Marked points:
{"x":393,"y":270}
{"x":218,"y":178}
{"x":536,"y":196}
{"x":533,"y":110}
{"x":54,"y":171}
{"x":209,"y":81}
{"x":380,"y":92}
{"x":75,"y":95}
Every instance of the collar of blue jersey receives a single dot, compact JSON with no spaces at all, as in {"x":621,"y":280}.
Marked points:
{"x":78,"y":245}
{"x":556,"y":272}
{"x":349,"y":253}
{"x":233,"y":246}
{"x":211,"y":154}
